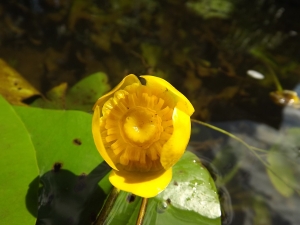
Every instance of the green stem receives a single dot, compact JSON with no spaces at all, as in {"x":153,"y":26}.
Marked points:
{"x":231,"y":174}
{"x":235,"y":138}
{"x":107,"y":207}
{"x":270,"y":64}
{"x":142,"y":212}
{"x":223,"y":131}
{"x":275,"y":79}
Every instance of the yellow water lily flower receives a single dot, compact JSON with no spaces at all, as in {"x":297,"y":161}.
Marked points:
{"x":141,"y":131}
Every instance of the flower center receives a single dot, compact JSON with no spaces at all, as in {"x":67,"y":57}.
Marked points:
{"x":135,"y":125}
{"x":141,"y":126}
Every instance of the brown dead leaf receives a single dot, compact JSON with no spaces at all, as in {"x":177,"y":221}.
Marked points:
{"x":13,"y":87}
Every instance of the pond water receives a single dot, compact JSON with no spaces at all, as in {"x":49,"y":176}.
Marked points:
{"x":249,"y":193}
{"x":226,"y":56}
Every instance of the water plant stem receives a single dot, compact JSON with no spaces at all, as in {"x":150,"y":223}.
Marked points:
{"x":252,"y":149}
{"x":107,"y":207}
{"x":275,"y":79}
{"x":142,"y":212}
{"x":235,"y":138}
{"x":231,"y":174}
{"x":270,"y":64}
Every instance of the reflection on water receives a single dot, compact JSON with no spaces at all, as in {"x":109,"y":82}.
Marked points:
{"x":257,"y":197}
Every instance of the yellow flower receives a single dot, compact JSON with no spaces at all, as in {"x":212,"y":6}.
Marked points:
{"x":141,"y":131}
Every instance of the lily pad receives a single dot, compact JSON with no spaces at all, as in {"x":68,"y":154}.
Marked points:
{"x":72,"y":172}
{"x":18,"y":169}
{"x":82,"y":96}
{"x":198,"y":201}
{"x":190,"y":198}
{"x":280,"y":173}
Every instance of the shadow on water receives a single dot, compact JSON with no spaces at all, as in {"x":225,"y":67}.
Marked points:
{"x":65,"y":198}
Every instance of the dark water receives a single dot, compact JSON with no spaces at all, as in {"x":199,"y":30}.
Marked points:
{"x":204,"y":48}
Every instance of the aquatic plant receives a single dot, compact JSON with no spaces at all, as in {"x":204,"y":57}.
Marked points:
{"x":141,"y":131}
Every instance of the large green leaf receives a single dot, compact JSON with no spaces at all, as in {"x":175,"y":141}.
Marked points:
{"x":18,"y":170}
{"x":70,"y":165}
{"x":82,"y":96}
{"x":190,"y":198}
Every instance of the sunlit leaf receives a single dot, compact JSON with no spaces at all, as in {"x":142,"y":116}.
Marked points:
{"x":18,"y":170}
{"x":198,"y":200}
{"x":13,"y":87}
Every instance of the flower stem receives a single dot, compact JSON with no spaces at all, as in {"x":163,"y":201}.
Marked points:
{"x":107,"y":207}
{"x":275,"y":78}
{"x":270,"y":64}
{"x":142,"y":212}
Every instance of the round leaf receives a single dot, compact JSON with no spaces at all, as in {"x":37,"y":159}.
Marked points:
{"x":18,"y":170}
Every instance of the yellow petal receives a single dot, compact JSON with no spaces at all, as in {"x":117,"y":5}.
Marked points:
{"x":128,"y":80}
{"x":98,"y":139}
{"x":146,"y":185}
{"x":162,"y":86}
{"x":176,"y":145}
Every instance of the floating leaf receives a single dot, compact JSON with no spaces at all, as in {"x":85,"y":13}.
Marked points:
{"x":18,"y":169}
{"x":284,"y":159}
{"x":56,"y":98}
{"x":190,"y":198}
{"x":280,"y":173}
{"x":13,"y":87}
{"x":82,"y":96}
{"x":198,"y":196}
{"x":70,"y":166}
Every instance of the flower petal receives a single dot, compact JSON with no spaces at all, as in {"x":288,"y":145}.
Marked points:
{"x":162,"y":86}
{"x":176,"y":145}
{"x":128,"y":80}
{"x":146,"y":185}
{"x":98,"y":140}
